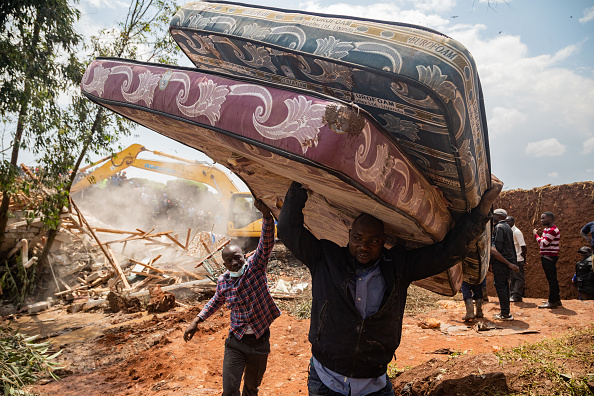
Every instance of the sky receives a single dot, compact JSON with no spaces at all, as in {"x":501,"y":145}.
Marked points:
{"x":535,"y":59}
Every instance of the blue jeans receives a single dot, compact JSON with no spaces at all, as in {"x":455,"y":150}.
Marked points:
{"x":472,"y":291}
{"x":500,"y":278}
{"x":316,"y":387}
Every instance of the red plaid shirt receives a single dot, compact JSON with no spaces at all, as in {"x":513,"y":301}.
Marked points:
{"x":248,"y":296}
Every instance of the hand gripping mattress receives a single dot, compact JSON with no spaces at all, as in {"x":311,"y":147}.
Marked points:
{"x":270,"y":135}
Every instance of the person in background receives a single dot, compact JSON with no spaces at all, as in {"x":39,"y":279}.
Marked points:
{"x":584,"y":277}
{"x":517,"y":279}
{"x":549,"y":243}
{"x":503,"y":241}
{"x":359,"y":291}
{"x":588,"y":229}
{"x":474,"y":292}
{"x":244,"y":286}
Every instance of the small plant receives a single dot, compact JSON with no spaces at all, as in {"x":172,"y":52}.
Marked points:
{"x":22,"y":361}
{"x":394,"y":371}
{"x":548,"y":359}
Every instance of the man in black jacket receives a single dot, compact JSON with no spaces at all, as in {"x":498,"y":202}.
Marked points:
{"x":503,"y":240}
{"x":359,"y":292}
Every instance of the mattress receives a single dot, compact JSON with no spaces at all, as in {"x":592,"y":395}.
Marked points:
{"x":270,"y":134}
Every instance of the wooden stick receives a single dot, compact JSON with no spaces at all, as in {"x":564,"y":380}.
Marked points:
{"x":188,"y":238}
{"x":118,"y":268}
{"x":190,"y":273}
{"x":112,"y":231}
{"x":111,"y":260}
{"x":175,"y":241}
{"x":149,"y":275}
{"x":136,"y":237}
{"x":155,"y":259}
{"x":147,"y":266}
{"x":71,"y":290}
{"x":211,"y":254}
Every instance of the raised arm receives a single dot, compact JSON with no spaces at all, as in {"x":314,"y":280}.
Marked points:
{"x":298,"y":239}
{"x":431,"y":260}
{"x":266,"y":242}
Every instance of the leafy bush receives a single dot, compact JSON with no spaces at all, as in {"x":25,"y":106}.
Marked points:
{"x":22,"y":361}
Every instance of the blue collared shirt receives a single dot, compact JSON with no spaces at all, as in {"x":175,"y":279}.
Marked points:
{"x":367,"y":289}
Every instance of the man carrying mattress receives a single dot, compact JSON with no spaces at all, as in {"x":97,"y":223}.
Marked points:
{"x":359,"y":292}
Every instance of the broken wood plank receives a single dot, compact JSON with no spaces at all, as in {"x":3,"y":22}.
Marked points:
{"x":117,"y":267}
{"x":150,"y":275}
{"x":147,"y":266}
{"x":190,"y":273}
{"x":136,"y":237}
{"x":211,"y":254}
{"x":77,"y":288}
{"x":104,"y":249}
{"x":188,"y":238}
{"x":175,"y":241}
{"x":112,"y":231}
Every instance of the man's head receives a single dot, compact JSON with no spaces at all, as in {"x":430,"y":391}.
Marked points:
{"x":510,"y":220}
{"x":586,"y":251}
{"x":547,"y":218}
{"x":366,"y":239}
{"x":499,"y":214}
{"x":233,"y":258}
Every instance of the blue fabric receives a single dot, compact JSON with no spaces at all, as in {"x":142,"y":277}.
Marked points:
{"x":316,"y":387}
{"x":367,"y":288}
{"x":589,"y":229}
{"x":472,"y":291}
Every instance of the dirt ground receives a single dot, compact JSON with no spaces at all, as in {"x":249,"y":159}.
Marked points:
{"x":142,"y":354}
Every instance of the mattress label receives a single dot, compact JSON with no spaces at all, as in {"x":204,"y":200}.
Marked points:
{"x":436,"y":47}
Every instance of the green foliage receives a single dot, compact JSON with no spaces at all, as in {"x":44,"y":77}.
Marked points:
{"x":548,"y":359}
{"x":22,"y":361}
{"x":17,"y":281}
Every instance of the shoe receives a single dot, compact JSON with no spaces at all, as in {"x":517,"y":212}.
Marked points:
{"x":479,"y":309}
{"x":550,"y":305}
{"x":469,"y":310}
{"x":500,"y":316}
{"x":515,"y":299}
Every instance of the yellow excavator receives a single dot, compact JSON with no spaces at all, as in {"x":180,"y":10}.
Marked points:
{"x":244,"y":220}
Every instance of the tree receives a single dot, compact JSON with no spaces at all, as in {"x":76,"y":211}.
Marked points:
{"x":87,"y":127}
{"x":32,"y":35}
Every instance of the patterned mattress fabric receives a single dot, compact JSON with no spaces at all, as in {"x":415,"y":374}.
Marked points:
{"x":420,"y":86}
{"x":269,"y":136}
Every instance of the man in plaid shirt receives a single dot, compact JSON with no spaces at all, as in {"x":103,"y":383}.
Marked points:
{"x":245,"y":289}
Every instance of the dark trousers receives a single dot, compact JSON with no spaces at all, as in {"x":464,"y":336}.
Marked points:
{"x":316,"y":387}
{"x":500,"y":279}
{"x":471,"y":291}
{"x":517,"y":280}
{"x":249,"y":354}
{"x":549,"y":265}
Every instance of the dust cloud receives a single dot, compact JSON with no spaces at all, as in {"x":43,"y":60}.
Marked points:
{"x":139,"y":204}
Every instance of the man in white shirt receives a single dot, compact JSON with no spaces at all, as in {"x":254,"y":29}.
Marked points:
{"x":517,"y":279}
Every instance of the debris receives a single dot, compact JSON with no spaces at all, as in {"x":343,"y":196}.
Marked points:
{"x":430,"y":323}
{"x":160,"y":301}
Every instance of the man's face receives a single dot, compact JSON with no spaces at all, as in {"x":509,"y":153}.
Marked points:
{"x":366,"y":241}
{"x":545,"y":220}
{"x":233,"y":258}
{"x":509,"y":221}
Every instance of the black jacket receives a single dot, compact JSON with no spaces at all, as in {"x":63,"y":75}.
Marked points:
{"x":584,"y":276}
{"x":503,"y":239}
{"x":341,"y":340}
